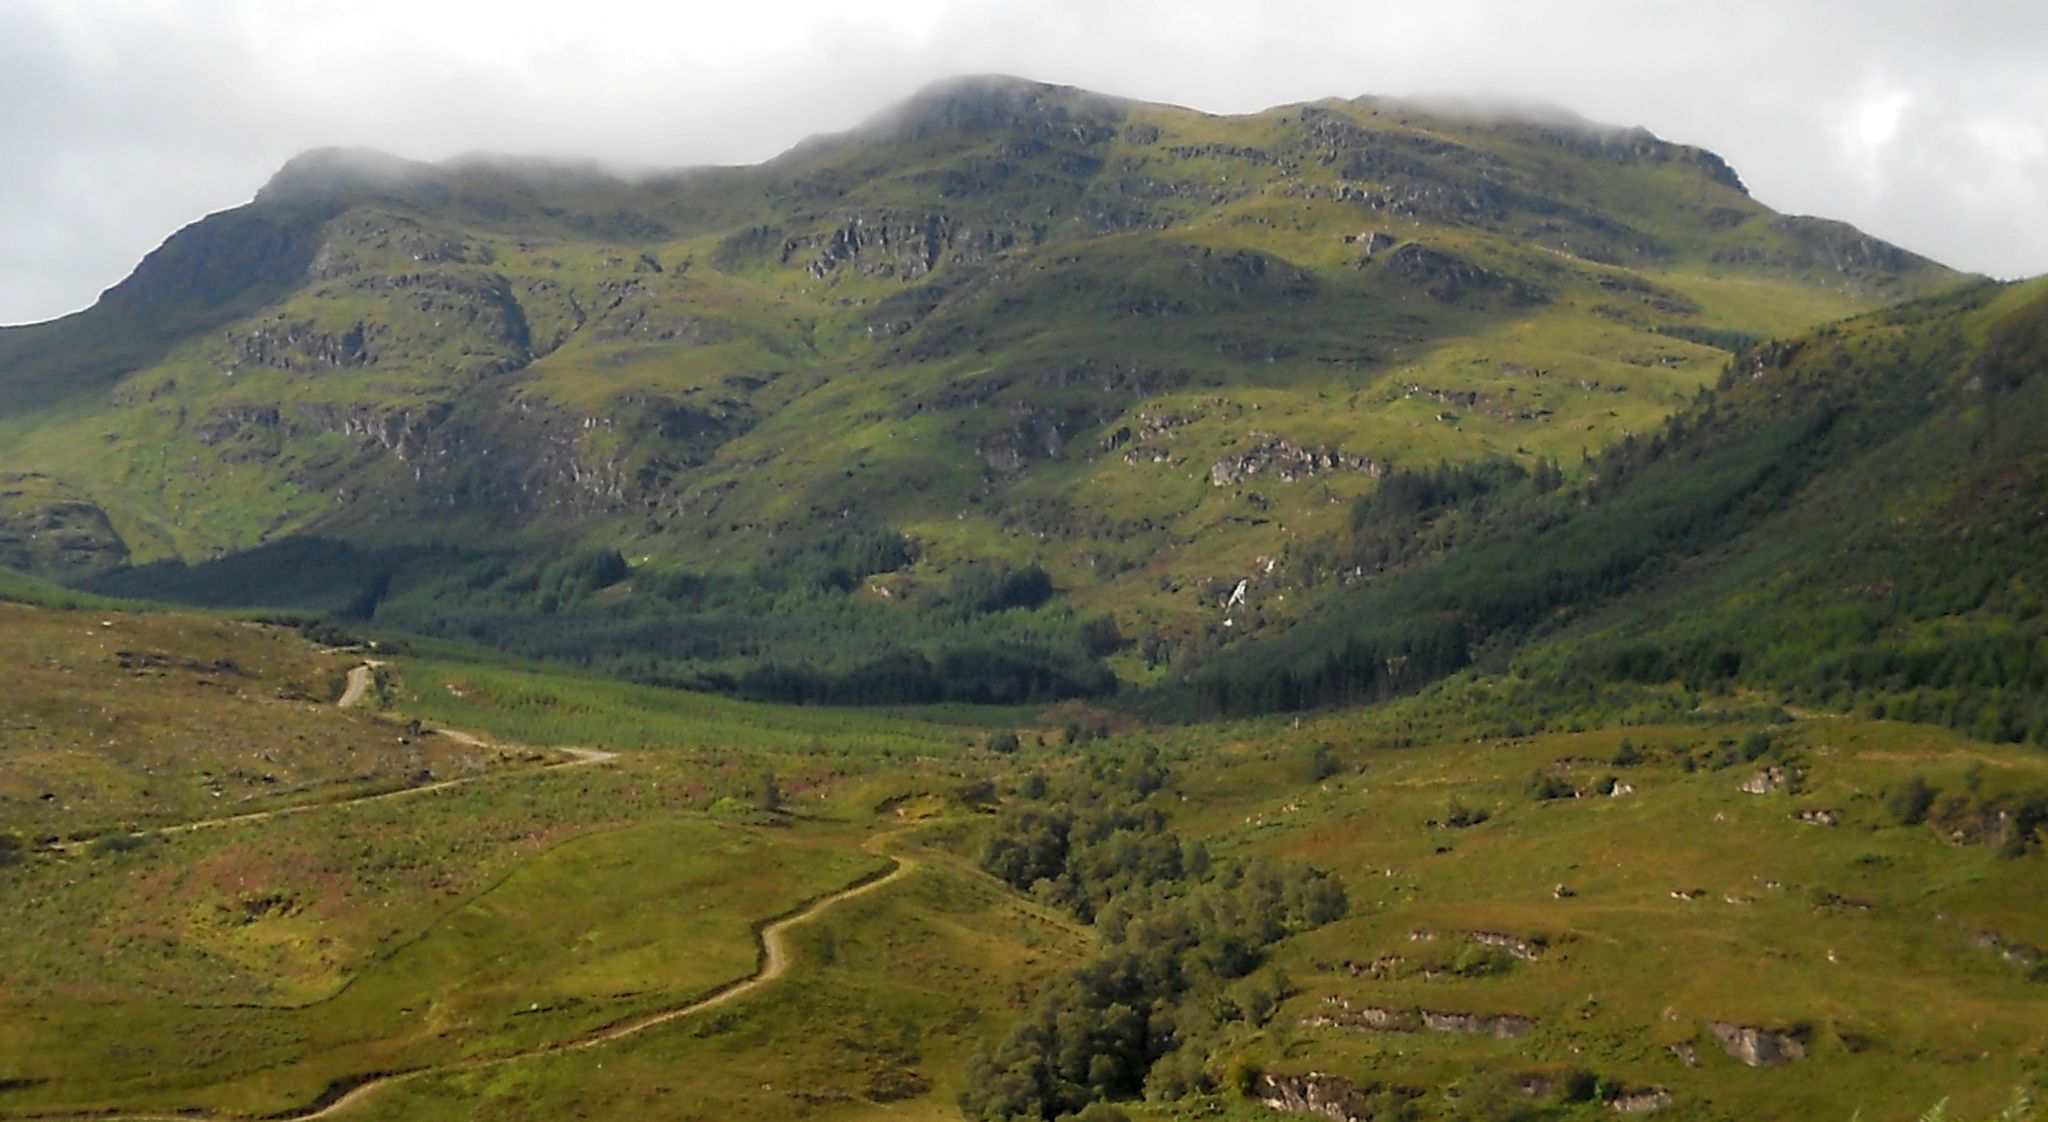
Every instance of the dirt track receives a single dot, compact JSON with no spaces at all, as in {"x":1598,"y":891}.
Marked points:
{"x":773,"y":960}
{"x":359,"y":682}
{"x":360,"y":679}
{"x":577,"y":757}
{"x":773,"y":964}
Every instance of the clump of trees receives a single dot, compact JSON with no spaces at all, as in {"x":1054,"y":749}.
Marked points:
{"x":979,"y":589}
{"x":1542,"y":786}
{"x":1464,"y":566}
{"x":1184,"y":938}
{"x":1910,"y":801}
{"x":2012,"y":820}
{"x":797,"y":628}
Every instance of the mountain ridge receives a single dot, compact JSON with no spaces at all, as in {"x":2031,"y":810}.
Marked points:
{"x":1144,"y":349}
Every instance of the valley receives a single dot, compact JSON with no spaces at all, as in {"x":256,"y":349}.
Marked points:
{"x":1535,"y":920}
{"x":1043,"y":606}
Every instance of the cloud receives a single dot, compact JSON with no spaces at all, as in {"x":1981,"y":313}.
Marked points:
{"x":124,"y":119}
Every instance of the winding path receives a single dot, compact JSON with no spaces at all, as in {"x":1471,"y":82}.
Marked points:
{"x":359,"y":681}
{"x":772,"y":960}
{"x":773,"y":963}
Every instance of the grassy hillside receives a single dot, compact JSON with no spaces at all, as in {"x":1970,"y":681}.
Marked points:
{"x":1848,"y":519}
{"x":1531,"y":926}
{"x":1559,"y":917}
{"x":1689,"y":555}
{"x":282,"y":958}
{"x":118,"y":720}
{"x":1150,"y":351}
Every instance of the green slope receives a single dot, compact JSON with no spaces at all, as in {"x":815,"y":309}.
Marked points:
{"x":1146,"y":348}
{"x":1852,"y":519}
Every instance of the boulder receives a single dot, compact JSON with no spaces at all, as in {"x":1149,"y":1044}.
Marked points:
{"x":1759,"y":1047}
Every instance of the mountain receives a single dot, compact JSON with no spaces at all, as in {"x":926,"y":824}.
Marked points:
{"x":1666,"y":527}
{"x":1008,"y":362}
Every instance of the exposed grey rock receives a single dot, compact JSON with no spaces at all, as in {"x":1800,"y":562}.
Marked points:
{"x":1286,"y":461}
{"x":1640,"y":1101}
{"x":1325,"y":1096}
{"x":1364,"y":1018}
{"x":1767,"y":781}
{"x":49,"y":528}
{"x":2018,"y":954}
{"x":1376,"y":242}
{"x":1451,"y":279}
{"x":902,"y":247}
{"x":366,"y":239}
{"x":1529,"y":948}
{"x":1758,"y":1047}
{"x":1501,"y":1026}
{"x":1375,"y":1018}
{"x":299,"y":346}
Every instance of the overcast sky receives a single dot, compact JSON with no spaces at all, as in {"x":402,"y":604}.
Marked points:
{"x":120,"y":120}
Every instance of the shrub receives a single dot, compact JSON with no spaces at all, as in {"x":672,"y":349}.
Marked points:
{"x":1101,"y":1112}
{"x":1243,"y":1077}
{"x":1910,"y":802}
{"x":766,"y":793}
{"x":1100,"y":636}
{"x":1321,"y":764}
{"x":119,"y":843}
{"x":1543,"y":786}
{"x":1459,"y":816}
{"x":1479,"y":961}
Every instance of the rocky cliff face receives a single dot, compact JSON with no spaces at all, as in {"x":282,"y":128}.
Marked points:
{"x":234,"y":259}
{"x":49,"y":530}
{"x":1372,"y":1018}
{"x":441,"y":456}
{"x":1328,"y":1096}
{"x":1285,"y":461}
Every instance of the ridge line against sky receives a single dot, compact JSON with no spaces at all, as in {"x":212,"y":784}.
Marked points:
{"x":1924,"y":124}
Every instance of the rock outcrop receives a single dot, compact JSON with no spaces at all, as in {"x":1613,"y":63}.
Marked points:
{"x":2017,"y":954}
{"x":1327,"y":1096}
{"x":1375,"y":1018}
{"x":899,"y":247}
{"x":1640,"y":1101}
{"x":48,"y":528}
{"x":1286,"y":461}
{"x":1451,"y":279}
{"x":1759,"y":1047}
{"x":1364,"y":1018}
{"x":1500,"y":1026}
{"x":1767,"y":781}
{"x":1529,"y":948}
{"x":300,"y":346}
